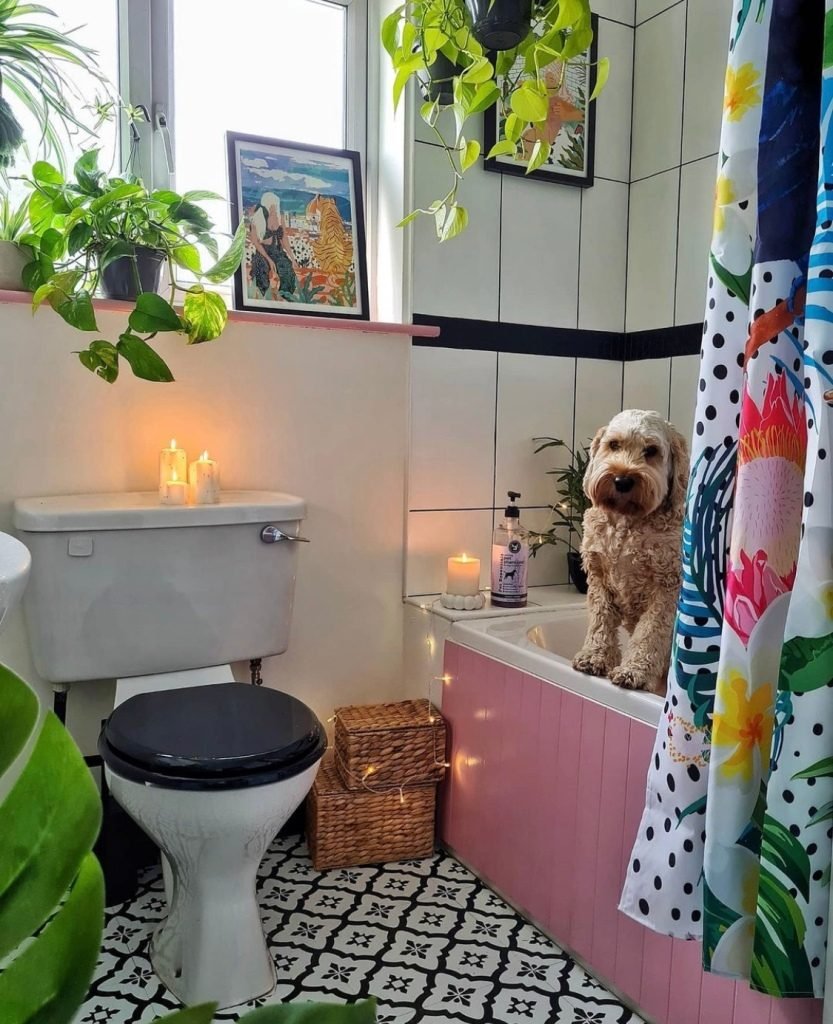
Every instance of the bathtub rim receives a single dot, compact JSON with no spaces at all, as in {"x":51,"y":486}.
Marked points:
{"x":505,"y":641}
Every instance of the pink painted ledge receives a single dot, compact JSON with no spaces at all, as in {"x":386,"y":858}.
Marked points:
{"x":239,"y":316}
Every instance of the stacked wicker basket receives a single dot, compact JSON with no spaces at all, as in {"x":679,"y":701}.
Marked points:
{"x":374,"y":798}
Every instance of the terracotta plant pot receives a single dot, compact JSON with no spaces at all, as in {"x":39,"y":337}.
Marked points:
{"x":12,"y":261}
{"x":500,"y":24}
{"x":119,"y":278}
{"x":575,"y":570}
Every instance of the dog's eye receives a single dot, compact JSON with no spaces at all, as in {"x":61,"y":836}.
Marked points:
{"x":651,"y":451}
{"x":614,"y":446}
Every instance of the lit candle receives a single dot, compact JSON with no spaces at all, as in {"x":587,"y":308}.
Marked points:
{"x":463,"y":576}
{"x":204,"y":478}
{"x":174,"y":491}
{"x":173,"y":465}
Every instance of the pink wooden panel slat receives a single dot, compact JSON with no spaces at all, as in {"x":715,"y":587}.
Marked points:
{"x":611,"y":820}
{"x":587,"y":827}
{"x":656,"y":976}
{"x":569,"y":766}
{"x":796,"y":1011}
{"x":523,"y":809}
{"x":628,"y":975}
{"x":451,"y":709}
{"x":497,"y":733}
{"x":717,"y":1000}
{"x":471,"y":669}
{"x":543,"y":824}
{"x":686,"y":975}
{"x":751,"y":1007}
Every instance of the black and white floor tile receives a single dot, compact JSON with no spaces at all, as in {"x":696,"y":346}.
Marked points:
{"x":427,"y":938}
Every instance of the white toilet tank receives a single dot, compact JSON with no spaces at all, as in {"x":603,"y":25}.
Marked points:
{"x":123,"y":586}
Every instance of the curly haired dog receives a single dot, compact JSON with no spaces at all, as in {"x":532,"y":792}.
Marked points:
{"x":636,"y":480}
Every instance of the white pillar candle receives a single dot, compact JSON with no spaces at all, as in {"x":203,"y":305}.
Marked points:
{"x":204,"y":478}
{"x":463,"y":576}
{"x":174,"y":491}
{"x":172,"y":461}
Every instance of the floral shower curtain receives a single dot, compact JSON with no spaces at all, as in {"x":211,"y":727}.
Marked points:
{"x":734,"y":847}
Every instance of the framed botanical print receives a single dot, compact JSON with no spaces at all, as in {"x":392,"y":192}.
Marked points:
{"x":570,"y":128}
{"x":305,"y":243}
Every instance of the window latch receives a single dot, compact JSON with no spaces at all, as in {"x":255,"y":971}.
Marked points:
{"x":160,"y":123}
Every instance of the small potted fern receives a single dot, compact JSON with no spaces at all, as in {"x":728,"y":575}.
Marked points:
{"x":14,"y":223}
{"x":568,"y":508}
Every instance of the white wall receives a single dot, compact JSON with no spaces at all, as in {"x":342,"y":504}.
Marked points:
{"x":322,"y":414}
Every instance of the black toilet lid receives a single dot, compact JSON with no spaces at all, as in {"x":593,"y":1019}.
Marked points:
{"x":221,"y":736}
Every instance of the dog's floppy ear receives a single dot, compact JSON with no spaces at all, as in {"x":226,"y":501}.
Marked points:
{"x":595,"y":444}
{"x":679,"y":471}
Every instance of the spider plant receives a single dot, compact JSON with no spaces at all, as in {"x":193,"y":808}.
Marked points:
{"x":14,"y":220}
{"x":35,"y":59}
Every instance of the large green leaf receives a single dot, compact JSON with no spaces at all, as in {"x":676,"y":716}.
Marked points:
{"x":779,"y":963}
{"x":78,"y":311}
{"x":313,"y":1013}
{"x":204,"y":314}
{"x":87,"y":173}
{"x":819,"y":770}
{"x":152,"y":314}
{"x":806,"y":663}
{"x":102,"y":358}
{"x":18,"y":714}
{"x":231,"y":258}
{"x":202,"y":1014}
{"x":737,"y":284}
{"x":144,"y":362}
{"x":115,"y":195}
{"x":783,"y":851}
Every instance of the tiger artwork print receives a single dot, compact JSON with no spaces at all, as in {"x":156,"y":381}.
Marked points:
{"x":333,"y":249}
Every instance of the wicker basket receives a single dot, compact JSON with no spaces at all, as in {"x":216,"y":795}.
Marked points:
{"x":346,"y":828}
{"x":400,"y":744}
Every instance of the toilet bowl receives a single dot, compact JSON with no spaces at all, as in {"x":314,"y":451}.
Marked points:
{"x":212,"y":773}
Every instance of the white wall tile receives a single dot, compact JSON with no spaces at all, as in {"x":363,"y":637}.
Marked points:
{"x":658,"y":93}
{"x":452,"y":428}
{"x":646,"y":385}
{"x":458,"y":277}
{"x":539,"y":252}
{"x":433,"y":537}
{"x":696,"y":202}
{"x":649,"y":8}
{"x":613,"y":107}
{"x":652,"y":251}
{"x":685,"y":374}
{"x":604,"y":245}
{"x":535,"y":399}
{"x":619,"y":10}
{"x":598,"y":396}
{"x":707,"y":44}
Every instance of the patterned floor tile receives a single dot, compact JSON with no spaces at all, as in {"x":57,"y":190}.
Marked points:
{"x":427,"y":938}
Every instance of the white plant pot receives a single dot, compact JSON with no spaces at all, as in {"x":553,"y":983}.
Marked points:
{"x":12,"y":261}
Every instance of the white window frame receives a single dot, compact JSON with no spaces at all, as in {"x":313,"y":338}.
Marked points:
{"x":146,"y":80}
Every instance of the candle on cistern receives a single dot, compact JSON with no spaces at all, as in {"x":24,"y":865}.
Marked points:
{"x":204,"y":478}
{"x":173,"y":465}
{"x":174,"y":491}
{"x":463,"y":576}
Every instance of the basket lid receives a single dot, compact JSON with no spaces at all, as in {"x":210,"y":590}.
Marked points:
{"x":403,"y":714}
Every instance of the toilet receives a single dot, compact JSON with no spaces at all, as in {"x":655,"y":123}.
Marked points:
{"x":163,"y":599}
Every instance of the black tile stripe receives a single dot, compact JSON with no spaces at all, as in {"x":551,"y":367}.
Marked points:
{"x":530,"y":339}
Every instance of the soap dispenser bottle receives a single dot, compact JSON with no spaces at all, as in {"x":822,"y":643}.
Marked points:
{"x":510,"y":555}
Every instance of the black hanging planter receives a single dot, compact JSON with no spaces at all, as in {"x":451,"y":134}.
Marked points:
{"x":436,"y":80}
{"x":119,"y":278}
{"x":500,"y":24}
{"x":575,"y":570}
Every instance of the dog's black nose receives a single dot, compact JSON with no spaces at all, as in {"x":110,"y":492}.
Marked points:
{"x":623,"y":484}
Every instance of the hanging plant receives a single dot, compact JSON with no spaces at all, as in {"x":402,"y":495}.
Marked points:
{"x":517,"y":43}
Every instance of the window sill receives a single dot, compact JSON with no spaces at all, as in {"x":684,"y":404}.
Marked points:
{"x":237,"y":316}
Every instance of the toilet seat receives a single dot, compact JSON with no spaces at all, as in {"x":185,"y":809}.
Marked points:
{"x":223,"y":736}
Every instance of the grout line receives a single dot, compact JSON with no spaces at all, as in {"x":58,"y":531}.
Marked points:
{"x":673,"y":167}
{"x":630,"y":186}
{"x":578,"y":254}
{"x":494,"y":438}
{"x":679,"y":179}
{"x":500,"y":247}
{"x":482,"y":508}
{"x":670,"y":374}
{"x":676,"y":3}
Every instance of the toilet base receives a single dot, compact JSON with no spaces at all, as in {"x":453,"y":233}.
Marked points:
{"x":211,"y":947}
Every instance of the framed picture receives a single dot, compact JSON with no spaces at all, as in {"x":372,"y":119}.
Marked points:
{"x":305,"y":247}
{"x":570,"y":128}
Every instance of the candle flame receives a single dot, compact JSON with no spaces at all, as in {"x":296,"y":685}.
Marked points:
{"x":174,"y":477}
{"x":465,"y":557}
{"x":204,"y":456}
{"x":173,"y":442}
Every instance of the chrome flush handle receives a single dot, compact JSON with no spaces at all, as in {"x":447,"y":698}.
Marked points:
{"x":272,"y":535}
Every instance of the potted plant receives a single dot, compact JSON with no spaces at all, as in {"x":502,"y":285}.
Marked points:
{"x":512,"y":54}
{"x":112,"y":232}
{"x":34,"y":58}
{"x":567,"y":510}
{"x":51,"y":885}
{"x":14,"y":224}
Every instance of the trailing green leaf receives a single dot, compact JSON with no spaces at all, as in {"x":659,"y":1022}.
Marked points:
{"x":152,"y":314}
{"x":806,"y":663}
{"x":204,"y":315}
{"x":144,"y":361}
{"x":231,"y":258}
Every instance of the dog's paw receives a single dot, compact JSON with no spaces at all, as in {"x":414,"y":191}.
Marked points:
{"x":591,"y":663}
{"x":630,"y":679}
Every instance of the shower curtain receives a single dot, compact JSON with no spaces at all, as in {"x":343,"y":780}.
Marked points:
{"x":734,"y":847}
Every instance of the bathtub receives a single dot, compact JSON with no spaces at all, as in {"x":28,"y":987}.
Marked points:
{"x":543,"y":800}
